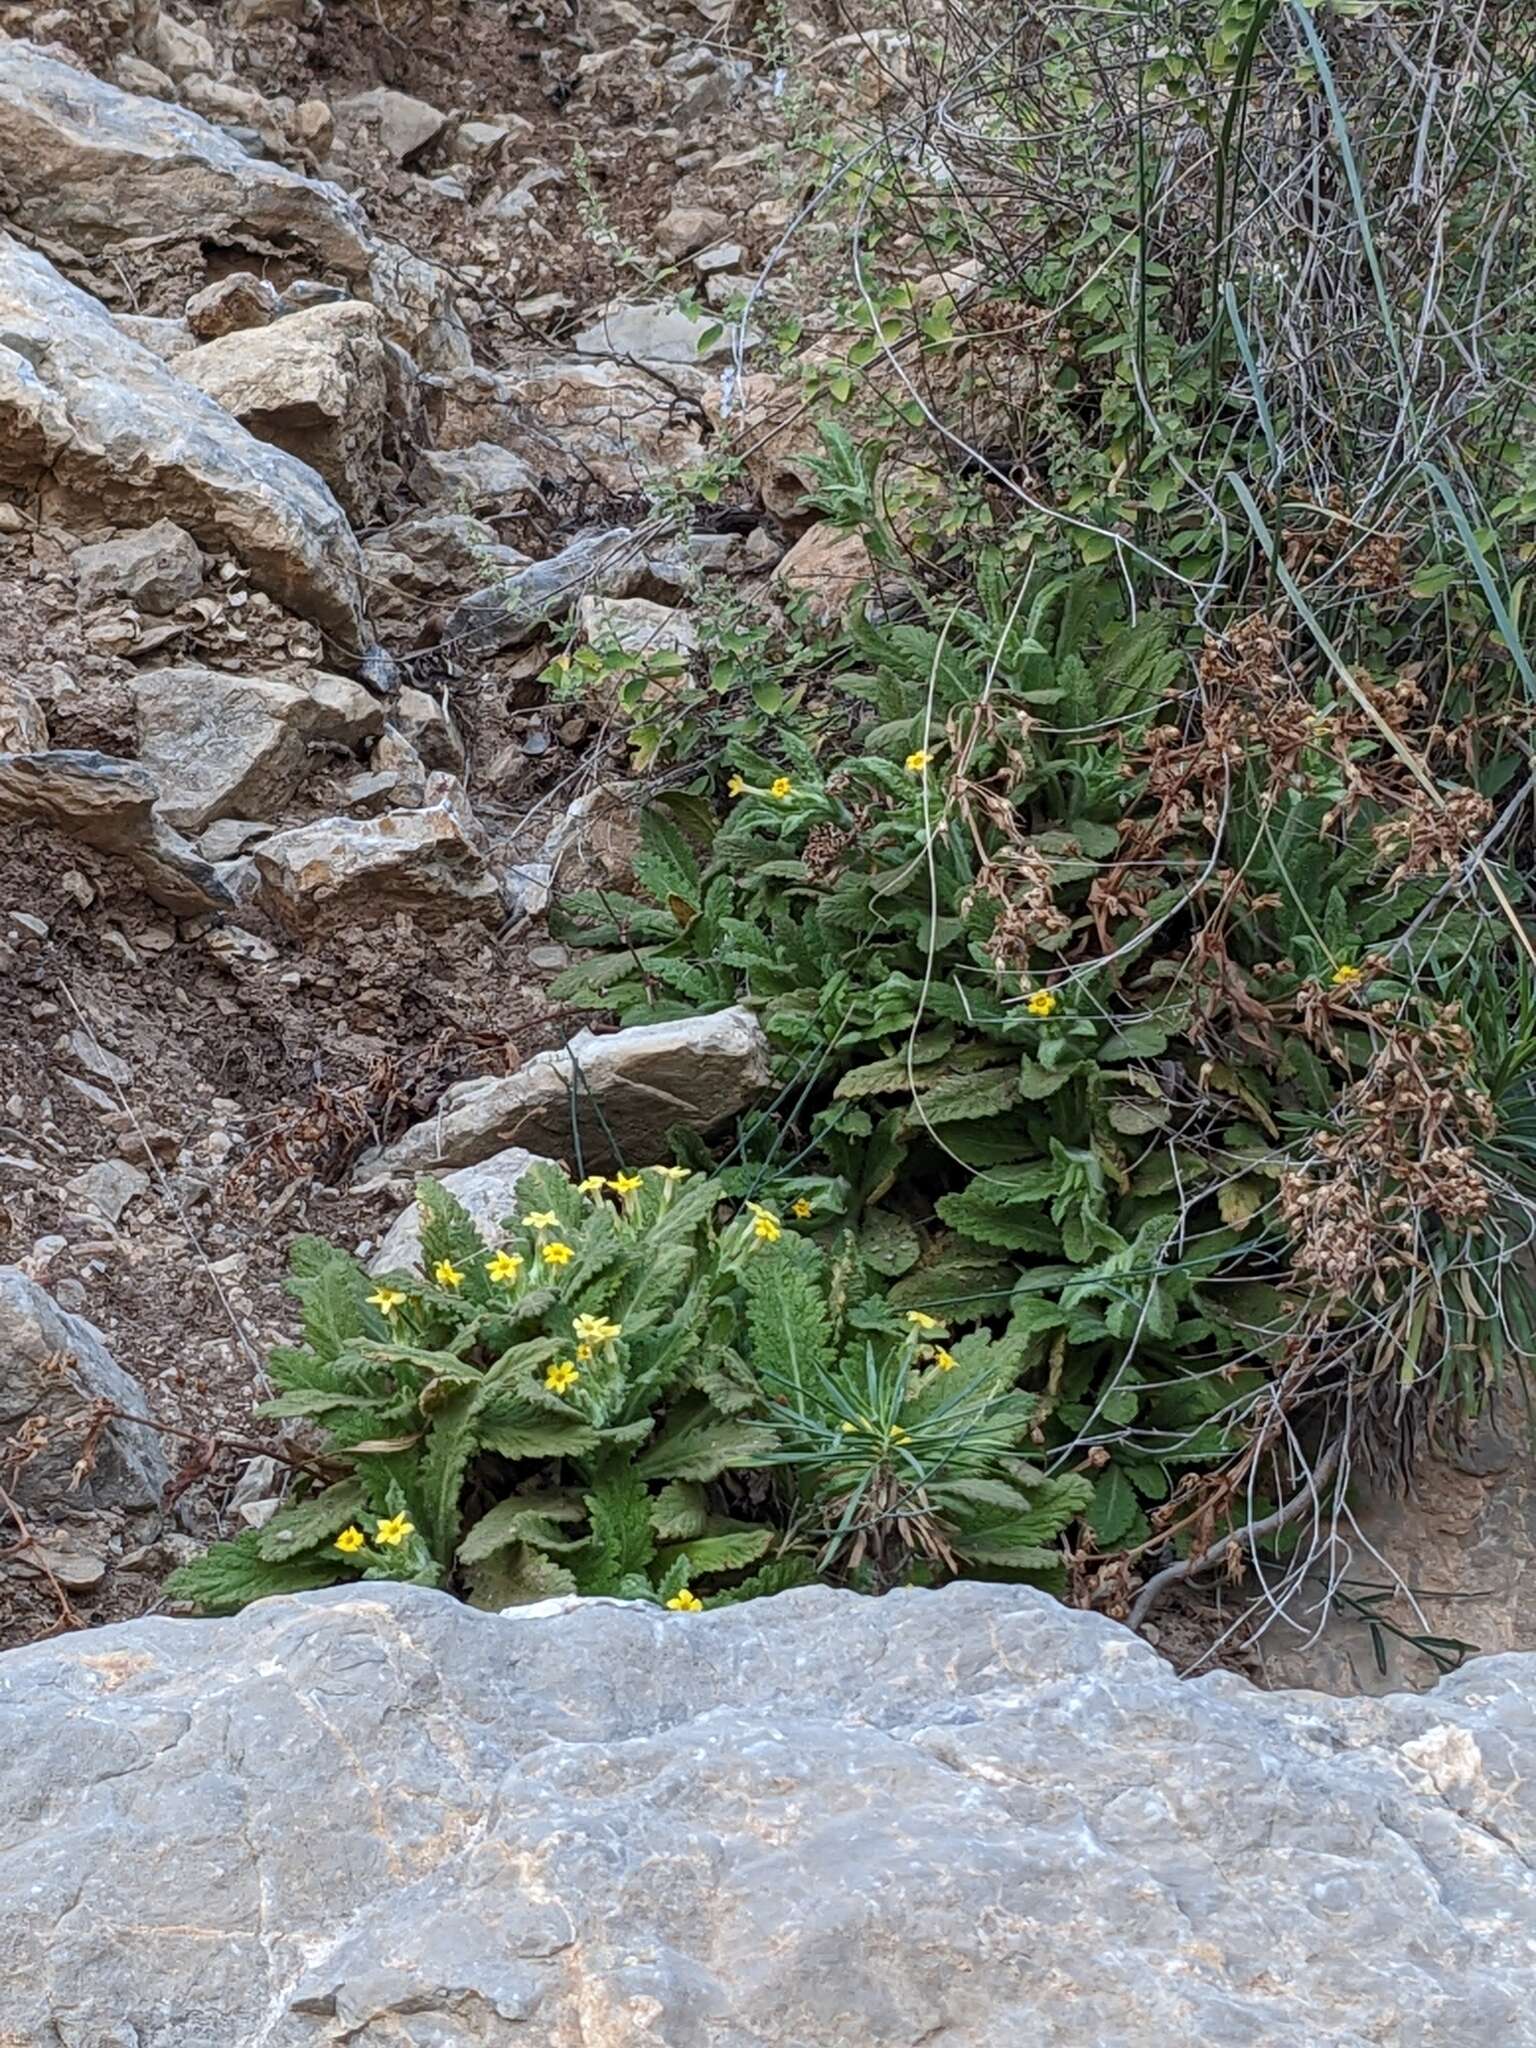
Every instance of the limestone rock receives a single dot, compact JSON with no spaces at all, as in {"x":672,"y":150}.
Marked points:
{"x":636,"y":625}
{"x":487,"y":1190}
{"x":315,"y":384}
{"x":652,"y":334}
{"x":404,"y":126}
{"x":828,"y":568}
{"x":156,"y":569}
{"x":431,"y":731}
{"x":625,"y":1091}
{"x":970,"y":1817}
{"x":177,"y":50}
{"x":23,"y":725}
{"x":231,"y":303}
{"x":110,"y":804}
{"x":52,"y":1366}
{"x":684,"y":229}
{"x":442,"y":551}
{"x":480,"y":478}
{"x":115,"y":433}
{"x":521,"y":606}
{"x":429,"y":863}
{"x":166,"y":339}
{"x":607,"y":421}
{"x":230,"y":746}
{"x":94,"y":166}
{"x":103,"y":1192}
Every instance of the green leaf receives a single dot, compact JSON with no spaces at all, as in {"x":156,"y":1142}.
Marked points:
{"x":889,"y":1243}
{"x":309,"y":1523}
{"x":1114,"y":1507}
{"x":679,"y":1511}
{"x":230,"y":1575}
{"x":514,"y":1578}
{"x":531,"y":1520}
{"x":697,"y":1444}
{"x":726,"y":1552}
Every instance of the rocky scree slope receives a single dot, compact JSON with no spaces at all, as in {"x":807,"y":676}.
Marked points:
{"x":325,"y":400}
{"x":972,"y":1817}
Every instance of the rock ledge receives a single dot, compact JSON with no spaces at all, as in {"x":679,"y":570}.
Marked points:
{"x":972,"y":1818}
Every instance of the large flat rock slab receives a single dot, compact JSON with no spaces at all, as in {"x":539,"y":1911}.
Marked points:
{"x":971,"y":1818}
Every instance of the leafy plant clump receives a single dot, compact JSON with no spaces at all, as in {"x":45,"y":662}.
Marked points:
{"x":637,"y":1393}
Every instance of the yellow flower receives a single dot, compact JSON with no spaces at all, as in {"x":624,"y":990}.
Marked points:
{"x":561,"y":1377}
{"x":673,"y":1173}
{"x":386,"y":1300}
{"x":944,"y":1360}
{"x":1041,"y":1004}
{"x":765,"y":1225}
{"x":735,"y":787}
{"x":800,"y":1207}
{"x":626,"y":1183}
{"x":583,"y":1354}
{"x":447,"y":1274}
{"x":505,"y":1266}
{"x":556,"y":1254}
{"x":592,"y":1185}
{"x":686,"y":1603}
{"x":782,"y":788}
{"x":849,"y":1428}
{"x":916,"y":763}
{"x":1345,"y":976}
{"x":351,"y":1541}
{"x":900,"y":1436}
{"x":920,"y":1320}
{"x":394,"y":1531}
{"x":542,"y":1219}
{"x":597,"y":1329}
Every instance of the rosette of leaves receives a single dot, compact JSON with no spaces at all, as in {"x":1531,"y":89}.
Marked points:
{"x":908,"y":1458}
{"x":444,"y":1406}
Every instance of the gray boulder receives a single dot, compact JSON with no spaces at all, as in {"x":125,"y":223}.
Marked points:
{"x":430,"y":864}
{"x":973,"y":1818}
{"x":316,"y":384}
{"x":228,"y":746}
{"x":488,"y":1191}
{"x":524,"y":603}
{"x":114,"y":433}
{"x":110,"y":804}
{"x":94,"y":167}
{"x":52,"y":1367}
{"x":156,"y":568}
{"x":654,"y":334}
{"x":624,"y":1092}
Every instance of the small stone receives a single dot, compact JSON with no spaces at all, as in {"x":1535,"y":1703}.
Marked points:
{"x":23,"y":724}
{"x":720,"y":256}
{"x":87,"y":1050}
{"x":478,"y":142}
{"x":480,"y":476}
{"x":549,"y":959}
{"x":235,"y":302}
{"x":156,"y":569}
{"x":105,"y":1190}
{"x":313,"y":127}
{"x":405,"y":126}
{"x":688,"y":228}
{"x":24,"y":925}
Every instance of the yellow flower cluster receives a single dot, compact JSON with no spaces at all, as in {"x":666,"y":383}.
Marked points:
{"x":766,"y":1227}
{"x":391,"y":1532}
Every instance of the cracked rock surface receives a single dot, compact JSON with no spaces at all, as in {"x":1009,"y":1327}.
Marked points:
{"x":971,"y":1818}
